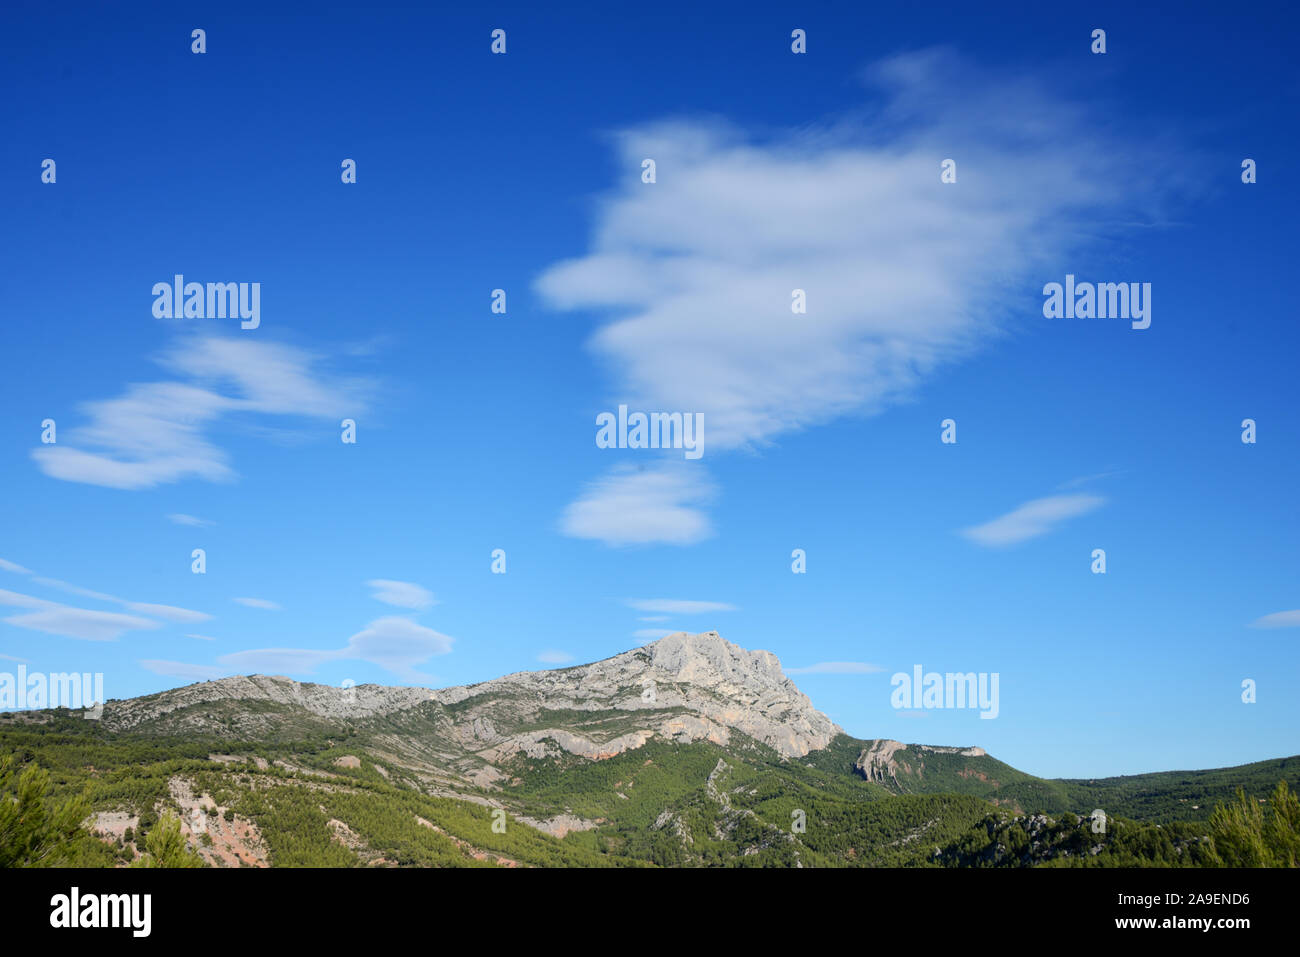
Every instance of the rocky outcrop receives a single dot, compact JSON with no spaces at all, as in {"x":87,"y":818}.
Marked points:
{"x":323,"y":701}
{"x":964,"y":752}
{"x":681,"y":688}
{"x":876,"y":763}
{"x":885,"y":759}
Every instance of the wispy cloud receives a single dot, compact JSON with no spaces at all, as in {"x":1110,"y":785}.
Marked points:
{"x":19,"y":600}
{"x":1085,"y":479}
{"x":1032,"y":519}
{"x":257,"y":603}
{"x":654,"y":634}
{"x":183,"y":670}
{"x":167,"y":612}
{"x":678,"y":606}
{"x":178,"y":518}
{"x":302,"y":661}
{"x":660,"y":505}
{"x":202,"y":637}
{"x":836,"y":668}
{"x":156,"y":433}
{"x":902,"y":273}
{"x":394,"y":643}
{"x":73,"y":589}
{"x":401,"y":594}
{"x":70,"y":622}
{"x":552,"y":656}
{"x":1279,"y":619}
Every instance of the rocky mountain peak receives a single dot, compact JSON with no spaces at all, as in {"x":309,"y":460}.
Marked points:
{"x":683,"y":687}
{"x":707,"y":656}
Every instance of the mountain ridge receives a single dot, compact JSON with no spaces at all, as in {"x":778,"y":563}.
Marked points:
{"x":684,"y":687}
{"x":688,"y":751}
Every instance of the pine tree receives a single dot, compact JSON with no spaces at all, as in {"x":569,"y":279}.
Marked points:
{"x":1245,"y":835}
{"x":35,"y":831}
{"x":165,"y":845}
{"x":1282,"y":832}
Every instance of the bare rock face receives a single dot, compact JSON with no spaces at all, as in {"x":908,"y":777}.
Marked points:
{"x":964,"y":752}
{"x":681,"y":688}
{"x":881,"y":761}
{"x":322,"y":701}
{"x":877,"y":762}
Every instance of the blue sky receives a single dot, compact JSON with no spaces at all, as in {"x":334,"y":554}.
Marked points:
{"x":475,"y":431}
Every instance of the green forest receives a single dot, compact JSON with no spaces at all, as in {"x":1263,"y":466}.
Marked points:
{"x":664,"y":804}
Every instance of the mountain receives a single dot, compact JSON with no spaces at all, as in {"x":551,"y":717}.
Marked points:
{"x":682,"y":688}
{"x":688,"y":751}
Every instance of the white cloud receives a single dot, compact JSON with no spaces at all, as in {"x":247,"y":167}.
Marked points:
{"x":1032,"y":519}
{"x":184,"y":671}
{"x":394,"y":643}
{"x":19,"y":600}
{"x":836,"y":668}
{"x":677,"y":606}
{"x":652,"y":618}
{"x":278,"y":660}
{"x":653,"y":634}
{"x":168,"y":612}
{"x":1279,"y":619}
{"x":202,"y":637}
{"x":1085,"y":479}
{"x":182,"y":519}
{"x":903,"y":274}
{"x":257,"y":603}
{"x":156,"y":432}
{"x":11,"y":567}
{"x":553,"y":657}
{"x":397,"y":644}
{"x":656,"y":506}
{"x":84,"y":623}
{"x":401,"y":594}
{"x":74,"y":589}
{"x":151,"y":435}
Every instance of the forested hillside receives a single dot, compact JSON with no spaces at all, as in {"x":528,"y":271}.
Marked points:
{"x":75,"y":793}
